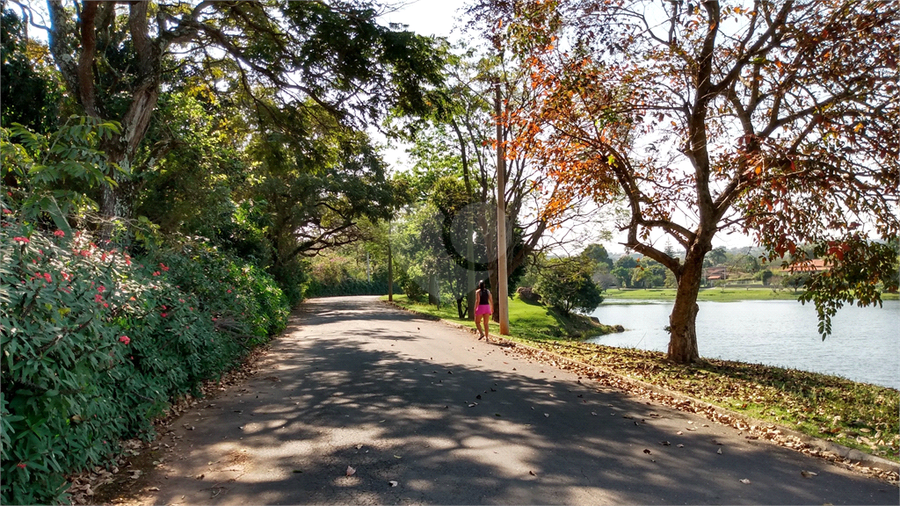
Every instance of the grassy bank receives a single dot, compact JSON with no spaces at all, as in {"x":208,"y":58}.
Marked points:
{"x":857,"y":415}
{"x":527,"y":320}
{"x":728,"y":294}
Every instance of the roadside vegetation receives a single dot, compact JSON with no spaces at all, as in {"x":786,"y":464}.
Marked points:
{"x":857,"y":415}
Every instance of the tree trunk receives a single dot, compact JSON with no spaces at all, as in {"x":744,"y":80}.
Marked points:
{"x":683,"y":320}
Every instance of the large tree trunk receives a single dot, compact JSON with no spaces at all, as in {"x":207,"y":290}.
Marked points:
{"x":683,"y":320}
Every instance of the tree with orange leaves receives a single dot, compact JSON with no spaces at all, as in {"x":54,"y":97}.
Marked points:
{"x":775,"y":119}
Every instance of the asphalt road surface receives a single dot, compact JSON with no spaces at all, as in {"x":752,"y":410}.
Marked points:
{"x":361,"y":403}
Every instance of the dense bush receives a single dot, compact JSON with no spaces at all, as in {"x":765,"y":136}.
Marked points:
{"x":348,"y":287}
{"x":96,"y":343}
{"x":566,"y":285}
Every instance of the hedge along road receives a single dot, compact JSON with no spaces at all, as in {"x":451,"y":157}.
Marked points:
{"x":361,"y":403}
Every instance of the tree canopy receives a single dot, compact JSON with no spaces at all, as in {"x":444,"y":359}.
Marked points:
{"x":777,"y":119}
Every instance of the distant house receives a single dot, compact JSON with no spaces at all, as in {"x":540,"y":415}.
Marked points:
{"x":716,"y":274}
{"x":809,"y":267}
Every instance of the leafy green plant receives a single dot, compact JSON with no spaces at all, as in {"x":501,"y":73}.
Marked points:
{"x":96,"y":344}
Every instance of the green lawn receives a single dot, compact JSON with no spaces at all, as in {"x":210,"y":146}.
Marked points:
{"x":729,"y":294}
{"x":861,"y":416}
{"x":531,"y":321}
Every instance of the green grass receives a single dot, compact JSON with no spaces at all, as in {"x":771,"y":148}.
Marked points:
{"x":528,"y":320}
{"x":857,"y":415}
{"x":730,"y":294}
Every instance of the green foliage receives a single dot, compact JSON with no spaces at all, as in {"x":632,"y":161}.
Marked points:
{"x":29,"y":91}
{"x":566,"y":284}
{"x":858,"y":271}
{"x":96,"y":343}
{"x":54,"y":174}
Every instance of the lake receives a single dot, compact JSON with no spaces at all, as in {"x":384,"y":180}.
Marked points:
{"x":864,"y":344}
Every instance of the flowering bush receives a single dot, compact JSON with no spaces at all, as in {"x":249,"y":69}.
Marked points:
{"x":96,"y":343}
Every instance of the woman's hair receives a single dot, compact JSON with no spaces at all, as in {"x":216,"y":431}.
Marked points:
{"x":481,"y":285}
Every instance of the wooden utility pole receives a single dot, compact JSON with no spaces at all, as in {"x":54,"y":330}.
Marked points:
{"x":502,"y":292}
{"x":390,"y":267}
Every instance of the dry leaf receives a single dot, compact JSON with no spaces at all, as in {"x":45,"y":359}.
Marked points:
{"x":665,"y":443}
{"x":594,"y":413}
{"x":745,"y":481}
{"x":532,"y":473}
{"x":350,"y":471}
{"x":547,"y":415}
{"x":647,"y":451}
{"x":719,"y":451}
{"x":393,"y":483}
{"x":808,"y":474}
{"x":681,"y":446}
{"x":153,"y":489}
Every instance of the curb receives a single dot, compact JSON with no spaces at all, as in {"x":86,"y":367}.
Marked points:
{"x":849,"y":455}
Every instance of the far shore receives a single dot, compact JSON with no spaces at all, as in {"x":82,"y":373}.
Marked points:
{"x":726,"y":294}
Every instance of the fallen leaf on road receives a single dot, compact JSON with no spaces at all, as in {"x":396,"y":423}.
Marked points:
{"x":647,"y":451}
{"x":547,"y":415}
{"x":808,"y":474}
{"x":681,"y":446}
{"x":397,"y":457}
{"x":201,"y":476}
{"x":719,"y":451}
{"x":532,"y":473}
{"x":679,"y":433}
{"x":665,"y":443}
{"x":393,"y":483}
{"x":745,"y":481}
{"x":594,"y":413}
{"x":472,"y":405}
{"x":478,"y":396}
{"x":153,"y":489}
{"x":350,"y":471}
{"x":359,"y":447}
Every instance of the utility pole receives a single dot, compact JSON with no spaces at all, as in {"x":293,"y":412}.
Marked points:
{"x":390,"y":267}
{"x":502,"y":295}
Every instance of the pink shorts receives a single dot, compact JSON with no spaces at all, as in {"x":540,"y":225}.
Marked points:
{"x":482,"y":309}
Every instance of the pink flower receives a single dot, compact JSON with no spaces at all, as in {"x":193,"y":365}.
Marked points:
{"x":105,"y":304}
{"x":164,"y":315}
{"x":227,"y":291}
{"x":101,"y":288}
{"x":7,"y":211}
{"x":84,"y":253}
{"x":59,"y":233}
{"x":98,"y":298}
{"x":23,"y":240}
{"x":47,"y":277}
{"x":125,"y":339}
{"x":163,"y":266}
{"x":156,"y":273}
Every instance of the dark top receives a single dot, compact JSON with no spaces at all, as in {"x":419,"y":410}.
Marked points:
{"x":483,"y":297}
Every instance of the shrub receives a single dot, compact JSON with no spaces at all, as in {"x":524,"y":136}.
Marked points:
{"x":95,"y":344}
{"x":565,"y":284}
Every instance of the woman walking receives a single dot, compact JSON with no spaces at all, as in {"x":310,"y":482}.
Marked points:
{"x":484,"y":307}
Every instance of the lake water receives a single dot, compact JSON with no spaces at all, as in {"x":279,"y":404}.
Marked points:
{"x":864,"y":344}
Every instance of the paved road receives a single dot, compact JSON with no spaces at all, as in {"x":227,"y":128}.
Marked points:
{"x":448,"y":419}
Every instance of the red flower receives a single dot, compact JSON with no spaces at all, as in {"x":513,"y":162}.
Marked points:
{"x":21,"y":465}
{"x":7,"y":211}
{"x":156,"y":273}
{"x":47,"y":277}
{"x":163,"y":266}
{"x":125,"y":339}
{"x":98,"y":298}
{"x":101,"y":288}
{"x":164,"y":315}
{"x":23,"y":240}
{"x":59,"y":233}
